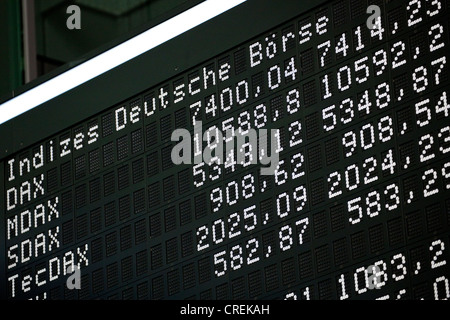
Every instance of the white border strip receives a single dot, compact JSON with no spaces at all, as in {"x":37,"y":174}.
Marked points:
{"x":114,"y":57}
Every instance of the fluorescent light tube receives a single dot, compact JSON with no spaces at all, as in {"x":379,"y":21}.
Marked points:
{"x":114,"y":57}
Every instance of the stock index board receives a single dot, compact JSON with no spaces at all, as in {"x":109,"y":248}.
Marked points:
{"x":358,"y":203}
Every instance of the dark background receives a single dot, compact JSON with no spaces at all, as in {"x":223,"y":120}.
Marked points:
{"x":102,"y":21}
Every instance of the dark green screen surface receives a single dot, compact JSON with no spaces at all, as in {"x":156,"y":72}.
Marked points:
{"x":361,"y":190}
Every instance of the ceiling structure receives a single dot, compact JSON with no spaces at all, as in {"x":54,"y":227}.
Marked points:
{"x":102,"y":21}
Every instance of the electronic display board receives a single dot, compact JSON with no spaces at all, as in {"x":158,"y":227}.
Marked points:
{"x":282,"y":150}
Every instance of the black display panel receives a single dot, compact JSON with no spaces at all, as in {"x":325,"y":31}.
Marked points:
{"x":357,"y":208}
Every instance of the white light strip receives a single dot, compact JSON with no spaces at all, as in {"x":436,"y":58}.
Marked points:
{"x":114,"y":57}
